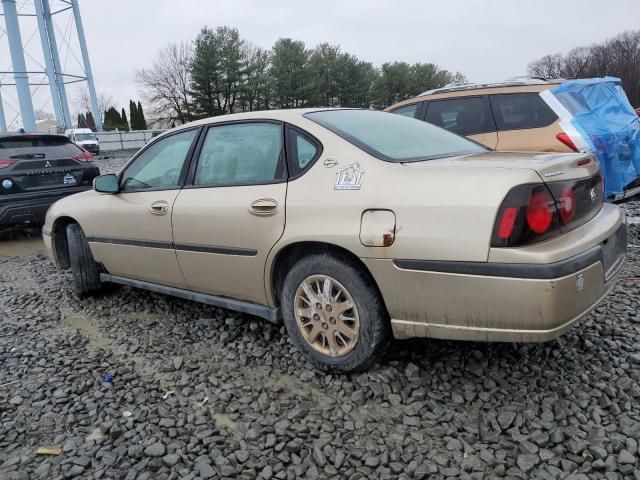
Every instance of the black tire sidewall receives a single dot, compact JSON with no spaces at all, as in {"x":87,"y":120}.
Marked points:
{"x":373,"y":318}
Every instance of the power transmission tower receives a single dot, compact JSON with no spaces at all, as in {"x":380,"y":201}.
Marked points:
{"x":53,"y":73}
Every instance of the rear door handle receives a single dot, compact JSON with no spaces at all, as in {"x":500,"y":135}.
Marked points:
{"x":159,"y":208}
{"x":264,"y":206}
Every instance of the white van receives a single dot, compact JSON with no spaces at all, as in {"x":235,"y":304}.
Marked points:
{"x":85,"y":138}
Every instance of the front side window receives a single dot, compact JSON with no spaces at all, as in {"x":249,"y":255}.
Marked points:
{"x":241,"y":154}
{"x":464,"y":116}
{"x":515,"y":111}
{"x":159,"y":166}
{"x":407,"y":110}
{"x":394,"y":138}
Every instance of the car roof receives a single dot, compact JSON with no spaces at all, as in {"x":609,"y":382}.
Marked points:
{"x":512,"y":82}
{"x":285,"y":115}
{"x":29,"y":134}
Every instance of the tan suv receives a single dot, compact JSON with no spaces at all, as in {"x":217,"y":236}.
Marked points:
{"x":350,"y":225}
{"x":509,"y":116}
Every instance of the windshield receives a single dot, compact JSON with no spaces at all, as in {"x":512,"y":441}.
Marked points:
{"x":392,"y":137}
{"x":84,"y":136}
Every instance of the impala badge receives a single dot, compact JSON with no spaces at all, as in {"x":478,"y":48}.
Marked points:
{"x":592,"y":194}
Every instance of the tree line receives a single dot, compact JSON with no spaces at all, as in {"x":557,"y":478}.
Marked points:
{"x":220,"y":72}
{"x":114,"y":120}
{"x":617,"y":57}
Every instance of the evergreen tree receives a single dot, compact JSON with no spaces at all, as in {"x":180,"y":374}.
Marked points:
{"x":142,"y":122}
{"x":124,"y":123}
{"x":133,"y":115}
{"x":289,"y":73}
{"x":91,"y":123}
{"x":82,"y":121}
{"x":217,"y":71}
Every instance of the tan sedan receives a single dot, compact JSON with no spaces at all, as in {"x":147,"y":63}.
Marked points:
{"x":351,"y":226}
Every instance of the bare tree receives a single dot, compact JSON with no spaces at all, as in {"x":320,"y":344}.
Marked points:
{"x":616,"y":57}
{"x":165,"y":84}
{"x":83,"y":102}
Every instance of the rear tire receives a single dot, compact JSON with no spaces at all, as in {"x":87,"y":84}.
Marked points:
{"x":86,"y":272}
{"x":347,"y":283}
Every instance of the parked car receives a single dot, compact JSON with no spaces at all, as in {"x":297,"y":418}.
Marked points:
{"x":522,"y":115}
{"x":35,"y":171}
{"x":507,"y":116}
{"x":393,"y":227}
{"x":85,"y":138}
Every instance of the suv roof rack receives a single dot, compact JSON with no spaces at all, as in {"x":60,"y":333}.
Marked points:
{"x":521,"y":80}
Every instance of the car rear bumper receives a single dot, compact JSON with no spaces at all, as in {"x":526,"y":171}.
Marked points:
{"x":503,"y":302}
{"x":32,"y":207}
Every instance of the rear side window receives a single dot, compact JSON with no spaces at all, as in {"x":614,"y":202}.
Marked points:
{"x":464,"y":116}
{"x":303,"y":151}
{"x":407,"y":110}
{"x":515,"y":111}
{"x":241,"y":154}
{"x":40,"y":146}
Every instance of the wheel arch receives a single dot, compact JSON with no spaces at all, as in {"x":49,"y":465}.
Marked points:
{"x":60,"y":244}
{"x":289,"y":254}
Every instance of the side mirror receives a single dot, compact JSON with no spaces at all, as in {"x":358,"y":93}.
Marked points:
{"x":106,"y":183}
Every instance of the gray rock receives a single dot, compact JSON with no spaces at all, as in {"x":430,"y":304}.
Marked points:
{"x":155,"y":450}
{"x":170,"y":459}
{"x":526,"y":462}
{"x":506,"y":418}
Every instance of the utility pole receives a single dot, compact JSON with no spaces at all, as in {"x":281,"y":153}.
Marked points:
{"x":19,"y":68}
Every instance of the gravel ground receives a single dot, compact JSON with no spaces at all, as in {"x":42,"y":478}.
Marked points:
{"x":200,"y":392}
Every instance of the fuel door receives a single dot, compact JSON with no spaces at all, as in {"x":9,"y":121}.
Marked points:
{"x":377,"y":228}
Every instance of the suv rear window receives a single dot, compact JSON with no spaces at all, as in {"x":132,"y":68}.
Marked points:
{"x":49,"y":146}
{"x":464,"y":116}
{"x":514,"y":111}
{"x":392,"y":137}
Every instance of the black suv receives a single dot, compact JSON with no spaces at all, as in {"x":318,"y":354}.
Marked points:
{"x":35,"y":171}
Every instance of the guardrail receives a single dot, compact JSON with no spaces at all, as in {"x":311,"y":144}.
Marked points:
{"x":112,"y":141}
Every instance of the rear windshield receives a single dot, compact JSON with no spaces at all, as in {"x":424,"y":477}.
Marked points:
{"x":41,"y":146}
{"x":394,"y":138}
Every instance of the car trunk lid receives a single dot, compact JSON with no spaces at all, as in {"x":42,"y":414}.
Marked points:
{"x":550,"y":167}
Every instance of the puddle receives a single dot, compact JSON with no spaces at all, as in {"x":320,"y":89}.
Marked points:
{"x":20,"y":246}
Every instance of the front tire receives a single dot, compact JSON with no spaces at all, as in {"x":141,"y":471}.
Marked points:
{"x":86,"y":272}
{"x":333,"y":314}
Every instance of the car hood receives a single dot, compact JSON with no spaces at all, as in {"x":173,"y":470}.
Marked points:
{"x":549,"y":166}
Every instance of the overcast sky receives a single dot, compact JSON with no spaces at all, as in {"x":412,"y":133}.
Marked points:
{"x":484,"y":39}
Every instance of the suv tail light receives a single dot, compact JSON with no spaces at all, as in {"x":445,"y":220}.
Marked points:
{"x":564,"y":138}
{"x":85,"y":156}
{"x":6,"y":163}
{"x":535,"y":212}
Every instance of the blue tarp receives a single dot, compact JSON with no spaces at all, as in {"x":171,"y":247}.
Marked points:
{"x":608,"y":124}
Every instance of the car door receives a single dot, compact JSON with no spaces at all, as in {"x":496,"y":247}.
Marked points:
{"x":470,"y":117}
{"x":134,"y":236}
{"x":233,"y":212}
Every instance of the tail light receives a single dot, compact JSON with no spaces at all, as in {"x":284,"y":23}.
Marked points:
{"x":85,"y":156}
{"x":536,"y":212}
{"x":564,"y":138}
{"x":6,"y":163}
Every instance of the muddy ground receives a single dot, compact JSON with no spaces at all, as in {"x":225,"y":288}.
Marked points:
{"x":200,"y":392}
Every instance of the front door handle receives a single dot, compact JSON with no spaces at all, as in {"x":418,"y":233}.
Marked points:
{"x":264,"y":206}
{"x":159,"y":208}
